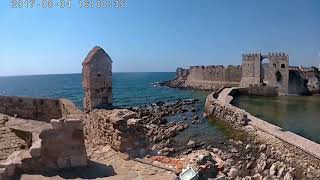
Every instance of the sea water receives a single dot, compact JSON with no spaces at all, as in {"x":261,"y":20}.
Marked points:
{"x":129,"y":89}
{"x":297,"y":114}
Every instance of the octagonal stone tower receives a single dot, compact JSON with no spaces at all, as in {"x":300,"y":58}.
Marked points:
{"x":97,"y":80}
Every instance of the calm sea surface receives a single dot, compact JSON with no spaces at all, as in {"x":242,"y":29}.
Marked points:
{"x":297,"y":114}
{"x":129,"y":89}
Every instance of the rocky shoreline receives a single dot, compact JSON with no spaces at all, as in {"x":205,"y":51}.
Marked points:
{"x":245,"y":158}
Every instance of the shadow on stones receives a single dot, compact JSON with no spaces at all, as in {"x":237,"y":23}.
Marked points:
{"x":92,"y":171}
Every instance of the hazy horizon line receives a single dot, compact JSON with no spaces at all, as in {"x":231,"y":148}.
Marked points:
{"x":81,"y":73}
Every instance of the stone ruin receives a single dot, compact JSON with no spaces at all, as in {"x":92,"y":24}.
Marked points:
{"x":97,"y":80}
{"x":50,"y":143}
{"x":53,"y":128}
{"x":119,"y":128}
{"x":103,"y":125}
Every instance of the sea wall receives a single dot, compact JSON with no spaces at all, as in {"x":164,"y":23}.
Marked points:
{"x":206,"y":77}
{"x":41,"y":109}
{"x":259,"y":91}
{"x":215,"y":73}
{"x":118,"y":127}
{"x":224,"y":110}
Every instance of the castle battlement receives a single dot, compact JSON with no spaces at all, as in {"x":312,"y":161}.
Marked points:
{"x":257,"y":56}
{"x":212,"y":67}
{"x":278,"y":54}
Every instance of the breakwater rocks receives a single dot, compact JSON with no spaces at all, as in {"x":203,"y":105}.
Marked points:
{"x":265,"y":154}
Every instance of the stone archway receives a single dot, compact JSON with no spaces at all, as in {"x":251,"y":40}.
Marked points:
{"x":264,"y":70}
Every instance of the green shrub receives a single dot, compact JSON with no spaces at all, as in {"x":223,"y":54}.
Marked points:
{"x":278,"y":76}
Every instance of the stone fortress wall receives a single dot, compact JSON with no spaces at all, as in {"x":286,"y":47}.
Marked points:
{"x":42,"y":109}
{"x":215,"y":73}
{"x":209,"y":77}
{"x":253,"y":72}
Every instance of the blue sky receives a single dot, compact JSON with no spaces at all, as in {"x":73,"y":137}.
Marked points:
{"x":157,"y":35}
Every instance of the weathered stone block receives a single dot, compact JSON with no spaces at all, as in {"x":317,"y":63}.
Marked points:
{"x":73,"y":124}
{"x":35,"y":149}
{"x":56,"y":123}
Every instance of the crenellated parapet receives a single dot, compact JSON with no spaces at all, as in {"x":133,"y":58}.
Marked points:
{"x":278,"y":54}
{"x":211,"y":67}
{"x":251,"y":57}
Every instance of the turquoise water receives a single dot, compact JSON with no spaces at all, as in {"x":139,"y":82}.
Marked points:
{"x":298,"y":114}
{"x":129,"y":89}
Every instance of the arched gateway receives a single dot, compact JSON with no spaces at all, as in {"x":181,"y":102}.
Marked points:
{"x":275,"y":73}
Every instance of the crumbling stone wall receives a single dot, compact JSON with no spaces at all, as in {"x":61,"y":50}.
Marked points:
{"x":36,"y":108}
{"x":58,"y":147}
{"x":97,"y":80}
{"x":118,"y":128}
{"x":182,"y":74}
{"x":225,"y":111}
{"x":62,"y":145}
{"x":30,"y":108}
{"x":69,"y":109}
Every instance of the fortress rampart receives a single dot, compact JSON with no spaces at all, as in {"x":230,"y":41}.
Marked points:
{"x":252,"y":72}
{"x":215,"y":73}
{"x":41,"y":109}
{"x":207,"y":77}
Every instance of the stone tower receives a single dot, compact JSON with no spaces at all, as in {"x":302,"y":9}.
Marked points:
{"x":97,"y":80}
{"x":275,"y":73}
